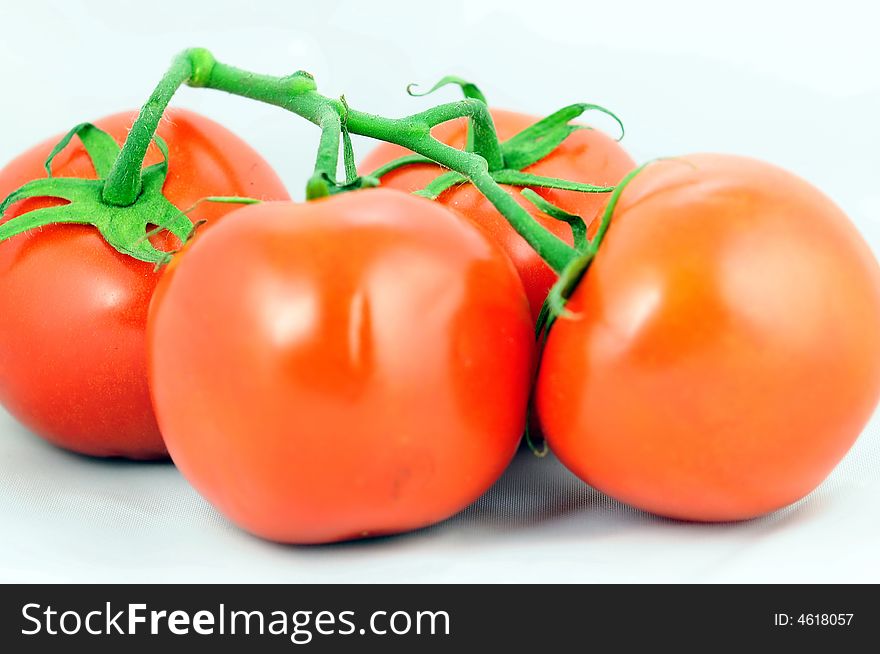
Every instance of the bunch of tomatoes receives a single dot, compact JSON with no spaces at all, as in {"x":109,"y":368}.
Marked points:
{"x":366,"y":363}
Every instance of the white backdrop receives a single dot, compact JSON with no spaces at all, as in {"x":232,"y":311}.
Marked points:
{"x":791,"y":82}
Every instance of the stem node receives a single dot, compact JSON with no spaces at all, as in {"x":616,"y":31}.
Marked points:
{"x":202,"y":63}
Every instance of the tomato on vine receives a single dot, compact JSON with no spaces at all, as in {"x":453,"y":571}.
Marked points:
{"x":722,"y":352}
{"x":73,"y":306}
{"x":352,"y":366}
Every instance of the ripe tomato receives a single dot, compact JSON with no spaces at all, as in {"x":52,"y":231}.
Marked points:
{"x":73,"y":310}
{"x":587,"y":156}
{"x":724,"y":352}
{"x":354,"y":366}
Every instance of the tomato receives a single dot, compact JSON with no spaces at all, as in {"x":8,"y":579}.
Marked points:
{"x":587,"y":156}
{"x":724,"y":351}
{"x":353,"y":366}
{"x":73,"y":310}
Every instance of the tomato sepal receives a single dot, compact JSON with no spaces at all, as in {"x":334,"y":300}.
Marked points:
{"x":468,"y":89}
{"x":99,"y":145}
{"x":575,"y":222}
{"x":540,"y":139}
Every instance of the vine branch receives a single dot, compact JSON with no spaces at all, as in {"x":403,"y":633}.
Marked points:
{"x":298,"y":94}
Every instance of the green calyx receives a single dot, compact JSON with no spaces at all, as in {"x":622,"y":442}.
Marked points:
{"x":126,"y":202}
{"x":123,"y":227}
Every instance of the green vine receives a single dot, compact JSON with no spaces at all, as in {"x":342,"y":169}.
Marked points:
{"x":127,"y":196}
{"x":298,"y":93}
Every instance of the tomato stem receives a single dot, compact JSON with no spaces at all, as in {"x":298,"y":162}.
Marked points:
{"x":327,"y":160}
{"x":124,"y":183}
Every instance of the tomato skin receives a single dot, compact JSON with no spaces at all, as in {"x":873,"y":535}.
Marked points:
{"x":73,"y":310}
{"x":725,"y":352}
{"x":587,"y":156}
{"x":348,"y":367}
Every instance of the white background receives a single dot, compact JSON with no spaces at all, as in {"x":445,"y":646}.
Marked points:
{"x":795,"y":83}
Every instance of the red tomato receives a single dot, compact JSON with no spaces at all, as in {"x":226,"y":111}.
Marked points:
{"x":354,"y":366}
{"x":725,"y":349}
{"x":587,"y":156}
{"x":73,"y":310}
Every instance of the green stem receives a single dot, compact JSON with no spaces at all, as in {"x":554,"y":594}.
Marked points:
{"x":485,"y":139}
{"x":327,"y":160}
{"x":556,"y":252}
{"x":351,"y":173}
{"x":124,"y":183}
{"x":297,"y":93}
{"x":328,"y":148}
